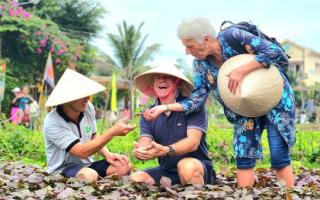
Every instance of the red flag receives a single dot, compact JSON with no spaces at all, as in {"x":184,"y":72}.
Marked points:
{"x":48,"y":75}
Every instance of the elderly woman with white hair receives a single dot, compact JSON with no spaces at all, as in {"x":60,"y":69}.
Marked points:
{"x":211,"y":50}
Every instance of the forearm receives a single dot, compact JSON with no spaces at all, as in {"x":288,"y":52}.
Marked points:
{"x":95,"y":145}
{"x":185,"y":146}
{"x":181,"y":147}
{"x":14,"y":100}
{"x":250,"y":67}
{"x":144,"y":141}
{"x":177,"y":107}
{"x":188,"y":144}
{"x":104,"y":151}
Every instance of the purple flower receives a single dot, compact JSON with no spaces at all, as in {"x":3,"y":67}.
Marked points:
{"x":60,"y":52}
{"x":43,"y":43}
{"x":19,"y":11}
{"x":57,"y":60}
{"x":63,"y":45}
{"x":13,"y":3}
{"x":39,"y":51}
{"x":12,"y":12}
{"x":26,"y":15}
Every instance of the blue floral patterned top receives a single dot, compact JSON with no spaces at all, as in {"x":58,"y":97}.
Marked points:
{"x":206,"y":72}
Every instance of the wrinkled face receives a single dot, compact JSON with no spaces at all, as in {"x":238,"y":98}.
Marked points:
{"x":165,"y":85}
{"x":79,"y":105}
{"x":196,"y":49}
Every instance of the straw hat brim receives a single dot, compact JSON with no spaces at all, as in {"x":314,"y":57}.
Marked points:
{"x":144,"y":81}
{"x":73,"y":86}
{"x":260,"y":90}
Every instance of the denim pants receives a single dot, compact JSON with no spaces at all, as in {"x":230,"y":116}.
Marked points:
{"x":248,"y":139}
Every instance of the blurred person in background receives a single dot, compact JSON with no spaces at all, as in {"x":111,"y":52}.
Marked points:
{"x":15,"y":104}
{"x":23,"y":115}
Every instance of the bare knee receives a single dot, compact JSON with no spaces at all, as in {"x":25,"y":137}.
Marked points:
{"x":87,"y":174}
{"x":119,"y":169}
{"x":142,"y":177}
{"x":190,"y":171}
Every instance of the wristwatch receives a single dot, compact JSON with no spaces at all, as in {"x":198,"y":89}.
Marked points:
{"x":171,"y":151}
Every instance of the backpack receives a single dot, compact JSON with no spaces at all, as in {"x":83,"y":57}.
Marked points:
{"x":251,"y":28}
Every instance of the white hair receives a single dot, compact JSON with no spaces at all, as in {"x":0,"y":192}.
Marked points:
{"x":195,"y":29}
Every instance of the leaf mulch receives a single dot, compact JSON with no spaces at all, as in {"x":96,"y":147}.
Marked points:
{"x":21,"y":181}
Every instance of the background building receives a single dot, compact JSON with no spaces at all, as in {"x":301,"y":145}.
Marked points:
{"x":304,"y":63}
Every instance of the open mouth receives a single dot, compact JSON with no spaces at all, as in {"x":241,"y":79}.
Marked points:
{"x":163,"y":87}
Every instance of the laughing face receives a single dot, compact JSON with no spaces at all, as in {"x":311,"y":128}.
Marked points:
{"x":165,"y":86}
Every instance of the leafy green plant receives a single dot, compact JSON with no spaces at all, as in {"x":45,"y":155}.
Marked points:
{"x":20,"y":181}
{"x":20,"y":143}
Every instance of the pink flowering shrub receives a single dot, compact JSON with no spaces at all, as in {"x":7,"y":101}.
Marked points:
{"x":40,"y":36}
{"x":46,"y":42}
{"x":13,"y":9}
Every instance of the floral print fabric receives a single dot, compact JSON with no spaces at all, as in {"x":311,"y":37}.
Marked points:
{"x":205,"y":80}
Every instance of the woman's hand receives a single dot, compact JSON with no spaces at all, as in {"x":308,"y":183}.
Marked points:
{"x":235,"y":78}
{"x":153,"y":113}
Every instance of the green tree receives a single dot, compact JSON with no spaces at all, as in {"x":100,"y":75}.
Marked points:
{"x":26,"y":40}
{"x":129,"y":53}
{"x":78,"y":18}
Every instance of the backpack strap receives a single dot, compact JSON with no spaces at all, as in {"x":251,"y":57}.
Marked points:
{"x":251,"y":28}
{"x":229,"y":39}
{"x":234,"y":44}
{"x":225,"y":22}
{"x":239,"y":48}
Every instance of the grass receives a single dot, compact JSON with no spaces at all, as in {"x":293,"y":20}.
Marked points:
{"x":21,"y":144}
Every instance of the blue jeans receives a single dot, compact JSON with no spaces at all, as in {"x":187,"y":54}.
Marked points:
{"x":279,"y":149}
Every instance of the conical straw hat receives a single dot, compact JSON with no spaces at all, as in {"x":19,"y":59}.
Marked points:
{"x":144,"y":81}
{"x":261,"y":89}
{"x":72,"y":86}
